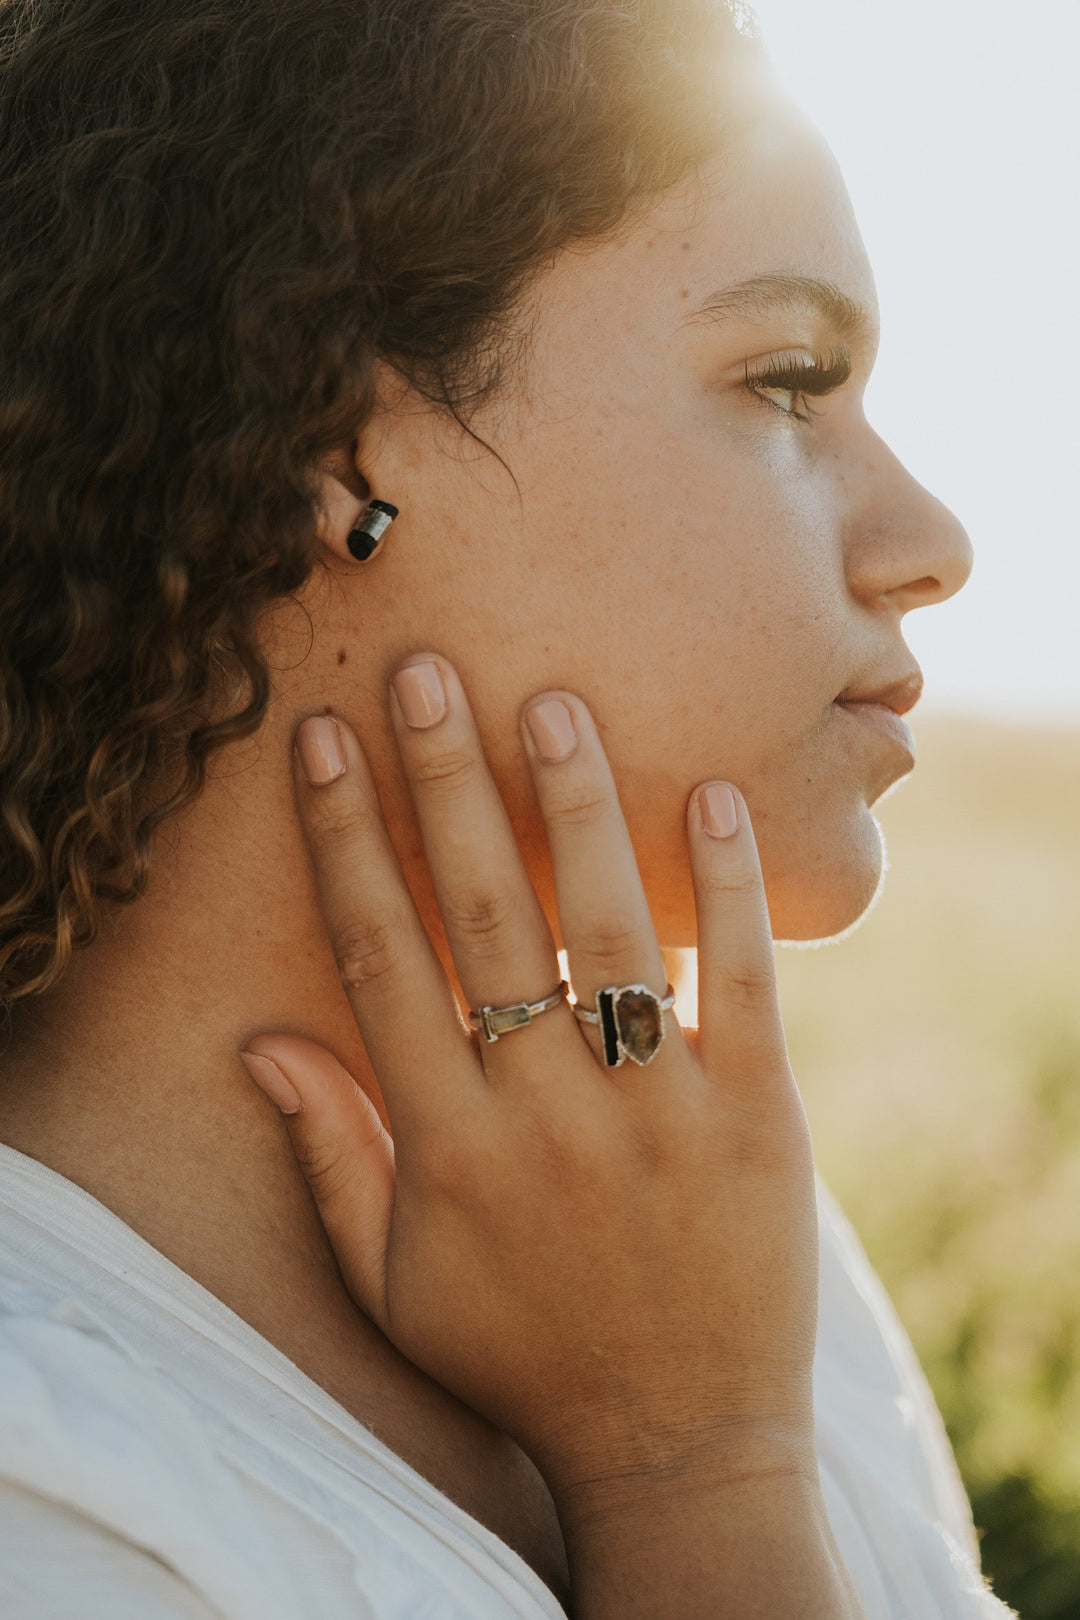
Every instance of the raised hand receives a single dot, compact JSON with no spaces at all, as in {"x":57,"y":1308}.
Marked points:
{"x":616,"y":1265}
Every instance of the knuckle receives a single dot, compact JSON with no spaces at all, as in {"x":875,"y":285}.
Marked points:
{"x":481,"y":919}
{"x":716,"y":880}
{"x":449,"y":1161}
{"x":748,"y":985}
{"x":582,"y":809}
{"x":444,"y":1166}
{"x":328,"y":1169}
{"x":779,"y":1145}
{"x":612,"y":940}
{"x":608,"y":953}
{"x":368,"y":949}
{"x":553,"y":1145}
{"x":336,"y":825}
{"x":449,"y":770}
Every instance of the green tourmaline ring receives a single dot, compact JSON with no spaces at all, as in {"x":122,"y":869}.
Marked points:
{"x":631,"y":1020}
{"x":495,"y":1022}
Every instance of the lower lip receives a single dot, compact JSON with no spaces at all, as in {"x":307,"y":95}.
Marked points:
{"x":885,"y":721}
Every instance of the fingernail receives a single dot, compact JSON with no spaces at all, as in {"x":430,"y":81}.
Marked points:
{"x":421,"y":693}
{"x":318,"y":742}
{"x":551,"y":726}
{"x":719,"y":816}
{"x":267,"y":1075}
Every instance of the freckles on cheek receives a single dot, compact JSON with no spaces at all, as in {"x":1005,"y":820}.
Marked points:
{"x":768,"y":544}
{"x":756,"y":627}
{"x":714,"y":551}
{"x":789,"y":524}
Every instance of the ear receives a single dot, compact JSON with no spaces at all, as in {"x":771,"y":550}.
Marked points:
{"x":350,"y":524}
{"x":343,"y":495}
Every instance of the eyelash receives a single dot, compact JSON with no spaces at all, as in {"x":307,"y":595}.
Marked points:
{"x":786,"y":375}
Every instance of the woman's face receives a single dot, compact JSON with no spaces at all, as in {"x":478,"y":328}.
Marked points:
{"x":704,"y":547}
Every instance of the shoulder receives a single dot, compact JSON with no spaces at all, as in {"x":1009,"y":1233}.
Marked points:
{"x":113,"y":1452}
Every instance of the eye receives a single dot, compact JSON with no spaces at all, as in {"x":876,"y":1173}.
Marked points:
{"x":789,"y":378}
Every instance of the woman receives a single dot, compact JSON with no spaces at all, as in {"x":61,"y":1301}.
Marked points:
{"x":569,"y":290}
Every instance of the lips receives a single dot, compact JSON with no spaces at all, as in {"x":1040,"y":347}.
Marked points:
{"x":885,"y":721}
{"x":881,"y":707}
{"x":899,"y":695}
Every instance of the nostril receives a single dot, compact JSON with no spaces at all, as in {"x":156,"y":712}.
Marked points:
{"x":926,"y":591}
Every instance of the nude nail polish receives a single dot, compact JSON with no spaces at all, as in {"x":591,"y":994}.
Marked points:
{"x":719,"y":816}
{"x":551,"y":726}
{"x":318,"y":742}
{"x":421,"y":693}
{"x":269,"y":1077}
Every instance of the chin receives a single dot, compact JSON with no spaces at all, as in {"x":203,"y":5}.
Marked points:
{"x":829,"y":894}
{"x":817,"y":891}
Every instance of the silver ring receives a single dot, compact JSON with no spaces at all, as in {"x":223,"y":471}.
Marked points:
{"x":495,"y":1022}
{"x":631,"y":1019}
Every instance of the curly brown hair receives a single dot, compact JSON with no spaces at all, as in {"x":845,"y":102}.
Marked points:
{"x":218,"y":216}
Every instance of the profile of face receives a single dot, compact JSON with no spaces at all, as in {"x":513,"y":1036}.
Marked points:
{"x":688,"y":521}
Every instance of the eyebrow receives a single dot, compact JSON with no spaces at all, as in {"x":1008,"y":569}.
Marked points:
{"x":768,"y":295}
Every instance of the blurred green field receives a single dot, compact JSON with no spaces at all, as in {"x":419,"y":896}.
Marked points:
{"x":939,"y":1053}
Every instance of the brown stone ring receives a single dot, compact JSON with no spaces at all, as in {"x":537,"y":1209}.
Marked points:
{"x":631,"y":1020}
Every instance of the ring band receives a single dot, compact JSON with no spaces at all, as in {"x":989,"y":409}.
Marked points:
{"x":495,"y":1022}
{"x":631,"y":1019}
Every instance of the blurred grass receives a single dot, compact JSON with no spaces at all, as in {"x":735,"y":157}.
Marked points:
{"x":938,"y":1049}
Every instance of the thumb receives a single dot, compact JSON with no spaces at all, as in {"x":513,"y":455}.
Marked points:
{"x":344,"y":1151}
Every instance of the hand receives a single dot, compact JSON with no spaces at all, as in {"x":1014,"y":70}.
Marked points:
{"x":618,"y":1267}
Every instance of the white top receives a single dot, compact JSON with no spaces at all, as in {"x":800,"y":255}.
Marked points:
{"x":159,"y":1460}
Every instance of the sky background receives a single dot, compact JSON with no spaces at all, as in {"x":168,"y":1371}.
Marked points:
{"x":955,"y":124}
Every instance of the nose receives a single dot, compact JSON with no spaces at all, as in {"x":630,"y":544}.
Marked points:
{"x":903,"y":547}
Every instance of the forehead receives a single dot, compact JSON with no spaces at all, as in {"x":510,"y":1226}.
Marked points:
{"x":769,"y":214}
{"x":774,"y":205}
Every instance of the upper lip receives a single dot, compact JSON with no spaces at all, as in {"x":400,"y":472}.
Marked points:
{"x":899,"y":695}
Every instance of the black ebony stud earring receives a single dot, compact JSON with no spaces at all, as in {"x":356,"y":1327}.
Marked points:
{"x":365,"y":539}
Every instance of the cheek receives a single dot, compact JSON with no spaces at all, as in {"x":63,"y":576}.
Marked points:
{"x":696,"y":589}
{"x":693,"y":594}
{"x":690,"y":588}
{"x":708,"y":623}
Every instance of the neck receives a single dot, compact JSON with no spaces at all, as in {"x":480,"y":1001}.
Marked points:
{"x":126,"y":1078}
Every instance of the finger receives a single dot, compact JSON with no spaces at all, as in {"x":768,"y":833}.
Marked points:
{"x":498,"y":935}
{"x":740,"y":1029}
{"x":345,"y":1152}
{"x":607,"y":929}
{"x":405,"y":1010}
